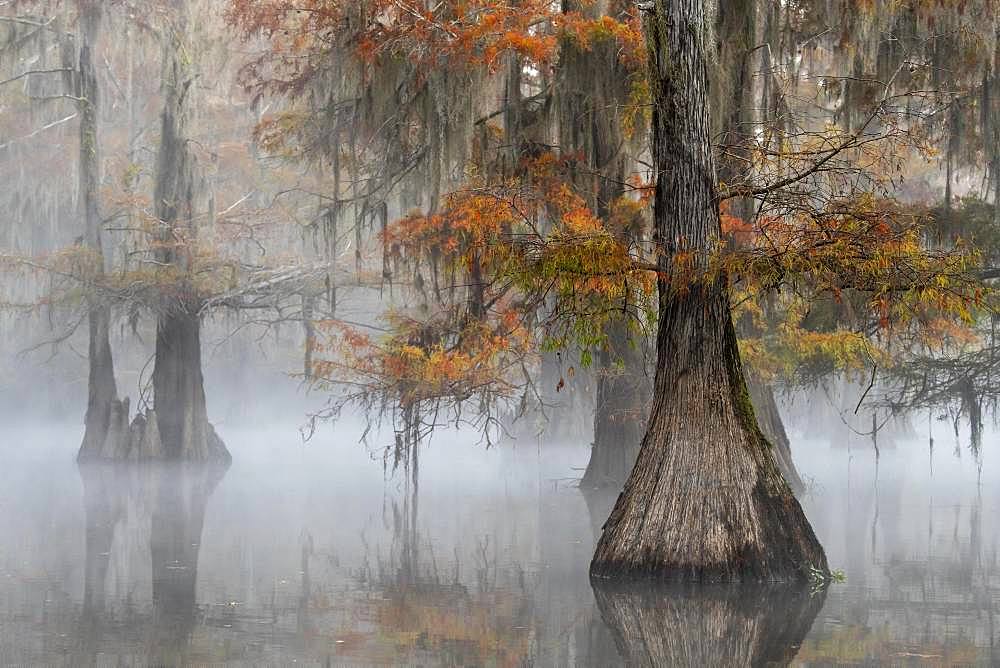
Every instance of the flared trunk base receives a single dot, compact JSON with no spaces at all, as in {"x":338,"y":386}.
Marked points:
{"x":705,"y":500}
{"x":140,"y":441}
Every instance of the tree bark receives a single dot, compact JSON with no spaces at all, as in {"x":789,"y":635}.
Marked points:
{"x":705,"y":500}
{"x":178,"y":386}
{"x":102,"y":390}
{"x":718,"y":625}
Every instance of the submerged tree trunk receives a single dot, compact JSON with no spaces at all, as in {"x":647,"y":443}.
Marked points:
{"x":620,"y":410}
{"x":771,"y":425}
{"x":102,"y":393}
{"x":719,"y":625}
{"x":705,"y":500}
{"x":178,"y":387}
{"x":178,"y":428}
{"x":102,"y":390}
{"x":619,"y":425}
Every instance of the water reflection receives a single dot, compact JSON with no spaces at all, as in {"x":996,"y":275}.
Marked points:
{"x":121,"y":501}
{"x":677,"y":625}
{"x":421,"y":603}
{"x":920,"y":555}
{"x":319,"y":556}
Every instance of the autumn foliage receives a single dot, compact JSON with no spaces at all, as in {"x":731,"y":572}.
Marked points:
{"x":507,"y":253}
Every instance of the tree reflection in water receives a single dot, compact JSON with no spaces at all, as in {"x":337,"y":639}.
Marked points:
{"x":172,"y":499}
{"x":707,"y":625}
{"x":428,"y":613}
{"x":316,"y":561}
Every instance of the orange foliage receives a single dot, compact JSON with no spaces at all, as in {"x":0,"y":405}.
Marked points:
{"x":625,"y":30}
{"x":450,"y":34}
{"x":734,"y":227}
{"x":464,"y":34}
{"x":415,"y":364}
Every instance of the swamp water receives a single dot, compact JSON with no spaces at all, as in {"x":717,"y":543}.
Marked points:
{"x":315,"y":555}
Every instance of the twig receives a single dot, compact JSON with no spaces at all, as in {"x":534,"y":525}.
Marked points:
{"x":871,"y":383}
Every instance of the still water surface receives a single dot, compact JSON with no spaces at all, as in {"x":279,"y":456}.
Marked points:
{"x":315,"y":555}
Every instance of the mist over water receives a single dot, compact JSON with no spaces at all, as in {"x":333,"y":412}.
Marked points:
{"x":713,"y":228}
{"x":321,"y":554}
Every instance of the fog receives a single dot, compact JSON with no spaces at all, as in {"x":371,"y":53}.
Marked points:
{"x":317,"y":553}
{"x":499,"y":333}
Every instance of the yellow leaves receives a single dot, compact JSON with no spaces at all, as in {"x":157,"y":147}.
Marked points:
{"x":864,"y":246}
{"x":412,"y":353}
{"x":857,"y":286}
{"x":944,"y":332}
{"x":844,"y":349}
{"x":794,"y":353}
{"x":637,"y":112}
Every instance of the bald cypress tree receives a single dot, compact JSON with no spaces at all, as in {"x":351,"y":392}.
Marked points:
{"x":705,"y":499}
{"x":593,"y":91}
{"x":102,"y":389}
{"x":178,"y":386}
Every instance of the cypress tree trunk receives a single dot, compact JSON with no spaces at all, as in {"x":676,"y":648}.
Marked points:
{"x":181,"y":415}
{"x":178,"y":387}
{"x":593,"y":88}
{"x":771,"y":425}
{"x":102,"y":390}
{"x":101,"y":387}
{"x":705,"y":500}
{"x":681,"y":625}
{"x":620,"y":410}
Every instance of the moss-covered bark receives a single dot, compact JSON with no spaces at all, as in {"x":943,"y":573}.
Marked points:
{"x":773,"y":428}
